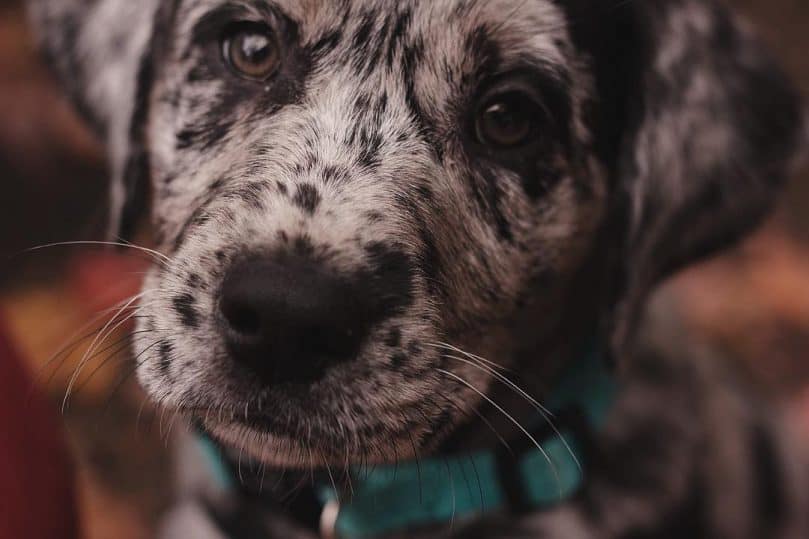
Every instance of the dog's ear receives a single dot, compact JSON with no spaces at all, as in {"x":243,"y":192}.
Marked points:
{"x":101,"y":50}
{"x":698,"y":126}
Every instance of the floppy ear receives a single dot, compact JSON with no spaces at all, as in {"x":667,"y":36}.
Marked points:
{"x":100,"y":50}
{"x":699,"y":128}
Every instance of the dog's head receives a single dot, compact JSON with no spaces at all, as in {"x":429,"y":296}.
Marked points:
{"x":347,"y":189}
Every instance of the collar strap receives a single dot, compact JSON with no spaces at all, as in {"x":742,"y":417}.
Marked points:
{"x":548,"y":467}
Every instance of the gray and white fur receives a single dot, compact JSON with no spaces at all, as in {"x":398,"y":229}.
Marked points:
{"x":667,"y":131}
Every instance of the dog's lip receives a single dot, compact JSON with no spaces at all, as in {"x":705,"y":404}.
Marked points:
{"x":262,"y":445}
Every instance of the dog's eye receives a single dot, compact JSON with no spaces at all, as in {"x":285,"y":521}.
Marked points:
{"x":508,"y":120}
{"x":251,"y":50}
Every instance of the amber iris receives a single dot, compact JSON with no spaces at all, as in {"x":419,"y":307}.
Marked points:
{"x":251,"y":51}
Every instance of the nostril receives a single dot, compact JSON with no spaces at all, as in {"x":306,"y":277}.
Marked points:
{"x":242,"y":318}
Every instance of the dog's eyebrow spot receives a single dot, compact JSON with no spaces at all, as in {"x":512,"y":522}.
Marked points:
{"x":307,"y":198}
{"x":185,"y":306}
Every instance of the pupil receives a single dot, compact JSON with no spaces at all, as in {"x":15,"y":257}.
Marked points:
{"x":502,"y":117}
{"x":504,"y":124}
{"x":255,"y":48}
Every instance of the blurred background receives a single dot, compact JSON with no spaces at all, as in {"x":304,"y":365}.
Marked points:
{"x":752,"y":303}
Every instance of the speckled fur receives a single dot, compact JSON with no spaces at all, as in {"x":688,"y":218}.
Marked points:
{"x":671,"y":132}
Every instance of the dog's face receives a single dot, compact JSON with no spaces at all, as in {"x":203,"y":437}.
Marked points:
{"x":345,"y":191}
{"x":343,"y":187}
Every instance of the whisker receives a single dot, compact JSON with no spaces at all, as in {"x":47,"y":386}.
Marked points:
{"x":452,"y":494}
{"x":418,"y":461}
{"x":126,"y":243}
{"x":331,"y":476}
{"x":546,"y":414}
{"x":485,"y":421}
{"x":138,"y":363}
{"x":512,"y":419}
{"x":71,"y":342}
{"x":154,"y":255}
{"x":447,"y":346}
{"x":89,"y":350}
{"x":130,"y":338}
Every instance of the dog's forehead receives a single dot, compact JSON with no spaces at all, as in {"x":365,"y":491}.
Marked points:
{"x":519,"y":27}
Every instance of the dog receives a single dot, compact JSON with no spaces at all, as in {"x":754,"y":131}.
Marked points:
{"x":388,"y":230}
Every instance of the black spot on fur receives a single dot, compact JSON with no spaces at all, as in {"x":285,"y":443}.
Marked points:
{"x":250,"y":193}
{"x":486,"y":189}
{"x":185,"y":306}
{"x":333,"y":174}
{"x":371,"y":145}
{"x":362,"y":40}
{"x":412,"y":57}
{"x":425,"y":193}
{"x":302,"y":245}
{"x":400,"y":29}
{"x":137,"y":168}
{"x":326,"y":44}
{"x":394,"y":338}
{"x":398,"y":361}
{"x":374,"y":217}
{"x":390,"y":279}
{"x":194,"y":281}
{"x":484,"y":50}
{"x":307,"y":198}
{"x":165,"y":352}
{"x":206,"y":134}
{"x":216,"y":185}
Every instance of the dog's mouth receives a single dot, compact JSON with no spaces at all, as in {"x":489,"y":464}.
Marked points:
{"x":306,"y":440}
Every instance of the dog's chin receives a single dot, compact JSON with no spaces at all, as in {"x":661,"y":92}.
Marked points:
{"x":280,"y":451}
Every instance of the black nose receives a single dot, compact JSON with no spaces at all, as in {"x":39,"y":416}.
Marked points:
{"x":288,"y":319}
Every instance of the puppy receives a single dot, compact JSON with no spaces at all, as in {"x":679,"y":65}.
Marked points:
{"x":391,"y":229}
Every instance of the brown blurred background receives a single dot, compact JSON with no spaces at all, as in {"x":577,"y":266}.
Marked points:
{"x":753,"y":302}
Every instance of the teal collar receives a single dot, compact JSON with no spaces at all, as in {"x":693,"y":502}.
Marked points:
{"x":549,"y":470}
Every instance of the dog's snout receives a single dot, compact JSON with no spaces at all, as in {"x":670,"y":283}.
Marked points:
{"x":288,"y":320}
